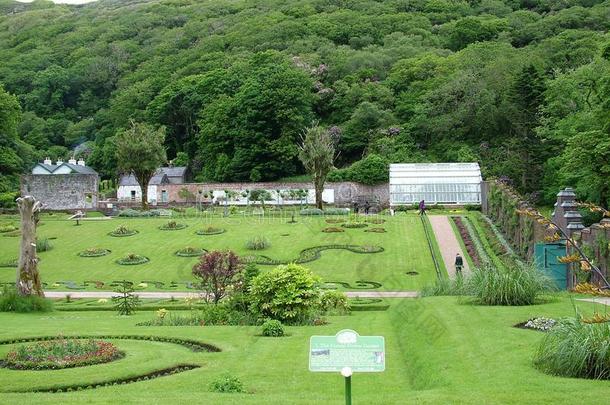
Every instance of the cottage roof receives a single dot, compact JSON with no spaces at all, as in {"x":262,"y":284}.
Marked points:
{"x":163,"y":175}
{"x":80,"y":169}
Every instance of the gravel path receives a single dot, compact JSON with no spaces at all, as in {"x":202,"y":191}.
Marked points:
{"x":183,"y":294}
{"x":604,"y":301}
{"x":447,"y":243}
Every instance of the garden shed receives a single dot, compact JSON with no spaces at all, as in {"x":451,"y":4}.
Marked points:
{"x":435,"y":183}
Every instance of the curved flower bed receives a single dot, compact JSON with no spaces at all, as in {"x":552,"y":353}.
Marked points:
{"x":172,"y":226}
{"x":375,"y":230}
{"x":10,"y":263}
{"x":311,"y":254}
{"x":122,"y":231}
{"x":335,"y":220}
{"x":61,"y":353}
{"x":210,"y":230}
{"x":541,"y":323}
{"x":94,"y":252}
{"x":333,"y":229}
{"x":376,"y":221}
{"x":133,"y":259}
{"x":354,"y":225}
{"x":190,"y":251}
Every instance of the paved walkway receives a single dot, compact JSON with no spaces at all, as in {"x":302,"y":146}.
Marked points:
{"x":447,"y":243}
{"x":604,"y":301}
{"x":183,"y":294}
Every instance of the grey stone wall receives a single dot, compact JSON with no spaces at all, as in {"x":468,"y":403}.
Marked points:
{"x":62,"y":191}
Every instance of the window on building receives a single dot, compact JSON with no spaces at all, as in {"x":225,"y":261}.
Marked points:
{"x":133,"y":195}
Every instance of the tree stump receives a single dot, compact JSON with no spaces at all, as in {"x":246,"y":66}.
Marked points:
{"x":28,"y":278}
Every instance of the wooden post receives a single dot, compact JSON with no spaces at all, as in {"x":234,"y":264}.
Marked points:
{"x":28,"y":278}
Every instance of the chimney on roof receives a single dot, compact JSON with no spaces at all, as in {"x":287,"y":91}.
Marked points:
{"x":81,"y":162}
{"x":59,"y":161}
{"x":47,"y":161}
{"x":72,"y":161}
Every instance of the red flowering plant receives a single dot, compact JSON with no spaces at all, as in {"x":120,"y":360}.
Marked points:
{"x":61,"y":353}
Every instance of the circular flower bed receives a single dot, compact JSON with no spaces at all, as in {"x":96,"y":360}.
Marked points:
{"x":210,"y":230}
{"x":61,"y":353}
{"x":190,"y":251}
{"x":332,"y":229}
{"x":354,"y":225}
{"x":375,"y":230}
{"x":94,"y":252}
{"x":122,"y":230}
{"x":132,"y":259}
{"x":541,"y":323}
{"x":375,"y":221}
{"x":335,"y":220}
{"x":172,"y":226}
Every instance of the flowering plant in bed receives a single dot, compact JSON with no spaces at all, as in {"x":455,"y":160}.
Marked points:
{"x":132,"y":259}
{"x":122,"y":230}
{"x":190,"y":251}
{"x":210,"y":230}
{"x":61,"y":353}
{"x":94,"y":252}
{"x":172,"y":226}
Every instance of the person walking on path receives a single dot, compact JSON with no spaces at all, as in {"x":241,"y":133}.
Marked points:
{"x":367,"y":206}
{"x":459,"y":264}
{"x":422,"y":207}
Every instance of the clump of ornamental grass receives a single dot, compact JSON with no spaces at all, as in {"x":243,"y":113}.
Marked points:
{"x":501,"y":286}
{"x":573,"y":348}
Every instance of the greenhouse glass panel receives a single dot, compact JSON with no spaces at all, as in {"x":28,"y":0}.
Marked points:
{"x":435,"y":183}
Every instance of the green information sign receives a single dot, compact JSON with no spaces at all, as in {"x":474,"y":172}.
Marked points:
{"x":347,"y":349}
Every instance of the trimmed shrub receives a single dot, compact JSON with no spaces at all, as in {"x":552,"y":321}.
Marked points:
{"x":311,"y":211}
{"x":289,"y":293}
{"x":131,"y":213}
{"x":373,"y":169}
{"x":521,"y":286}
{"x":336,"y":211}
{"x":43,"y":245}
{"x":258,"y":243}
{"x":132,"y":259}
{"x":575,"y":349}
{"x":332,"y":229}
{"x":228,"y":384}
{"x":11,"y":301}
{"x":334,"y":302}
{"x":273,"y":328}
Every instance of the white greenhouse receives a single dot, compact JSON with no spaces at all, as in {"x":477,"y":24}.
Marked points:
{"x":435,"y":183}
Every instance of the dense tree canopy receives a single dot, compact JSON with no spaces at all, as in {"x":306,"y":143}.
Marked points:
{"x":519,"y":86}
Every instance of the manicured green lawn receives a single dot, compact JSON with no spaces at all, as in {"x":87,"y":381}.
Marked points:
{"x":404,"y":243}
{"x":438,"y":350}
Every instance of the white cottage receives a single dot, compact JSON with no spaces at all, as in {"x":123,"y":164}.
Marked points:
{"x":129,"y":188}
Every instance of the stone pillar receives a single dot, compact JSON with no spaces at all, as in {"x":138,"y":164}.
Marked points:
{"x":566,"y":214}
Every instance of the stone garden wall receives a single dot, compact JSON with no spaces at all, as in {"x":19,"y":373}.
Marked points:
{"x":62,"y":191}
{"x":344,"y":192}
{"x":519,"y":222}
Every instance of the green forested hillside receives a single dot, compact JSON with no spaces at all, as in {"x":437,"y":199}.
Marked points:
{"x":522,"y":86}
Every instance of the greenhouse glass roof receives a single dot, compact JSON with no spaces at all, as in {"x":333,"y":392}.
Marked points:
{"x":435,"y":183}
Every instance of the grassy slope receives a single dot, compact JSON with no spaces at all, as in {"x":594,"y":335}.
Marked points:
{"x":404,"y":243}
{"x":438,"y":351}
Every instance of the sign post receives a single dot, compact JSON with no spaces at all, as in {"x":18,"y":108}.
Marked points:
{"x":347,"y":352}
